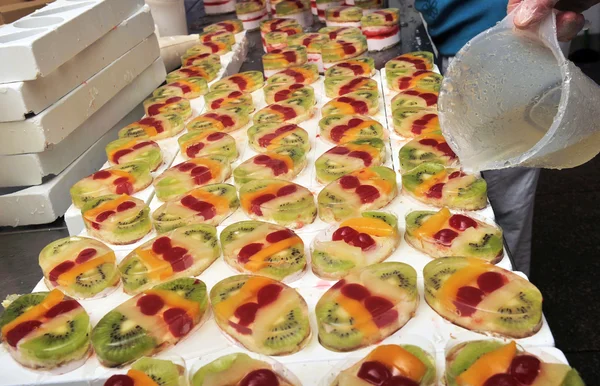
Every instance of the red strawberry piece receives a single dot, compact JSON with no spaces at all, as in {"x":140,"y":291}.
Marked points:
{"x":185,"y":167}
{"x":193,"y":150}
{"x":125,"y":206}
{"x":286,"y":190}
{"x":104,"y":215}
{"x":428,"y":142}
{"x":366,"y":157}
{"x":255,"y":205}
{"x":445,"y":236}
{"x":277,"y":236}
{"x":435,"y":191}
{"x":20,"y":331}
{"x":460,"y":222}
{"x":161,"y":245}
{"x":174,"y":254}
{"x":376,"y":305}
{"x":183,"y":263}
{"x":85,"y":255}
{"x":337,"y":133}
{"x":355,"y":291}
{"x":268,"y":294}
{"x":240,"y":82}
{"x":62,"y":308}
{"x":467,"y":298}
{"x":60,"y":269}
{"x":349,"y":182}
{"x":101,"y":175}
{"x":248,"y":251}
{"x":367,"y":193}
{"x":123,"y":186}
{"x":488,"y":282}
{"x":444,"y":148}
{"x":178,"y":321}
{"x":246,"y":313}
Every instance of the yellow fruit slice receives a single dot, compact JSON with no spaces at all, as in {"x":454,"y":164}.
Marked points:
{"x":140,"y":378}
{"x":35,"y":312}
{"x":219,"y":202}
{"x":227,"y":307}
{"x":158,"y":269}
{"x":257,"y":260}
{"x":68,"y":278}
{"x":106,"y":206}
{"x":489,"y":364}
{"x":428,"y":183}
{"x":363,"y":318}
{"x":172,"y":299}
{"x":433,"y":224}
{"x":124,"y":146}
{"x":353,"y":132}
{"x":395,"y":356}
{"x":375,"y":179}
{"x":370,"y":226}
{"x":461,"y":278}
{"x":246,"y":199}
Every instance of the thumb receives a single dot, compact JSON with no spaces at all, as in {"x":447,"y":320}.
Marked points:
{"x":531,"y":12}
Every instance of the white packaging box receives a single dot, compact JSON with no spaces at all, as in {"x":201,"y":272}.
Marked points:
{"x":39,"y":43}
{"x":45,"y":203}
{"x":18,"y":99}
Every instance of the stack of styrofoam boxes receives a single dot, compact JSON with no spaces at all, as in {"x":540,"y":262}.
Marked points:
{"x":71,"y":75}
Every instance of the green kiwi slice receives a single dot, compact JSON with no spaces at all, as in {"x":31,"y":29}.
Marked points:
{"x":163,"y":372}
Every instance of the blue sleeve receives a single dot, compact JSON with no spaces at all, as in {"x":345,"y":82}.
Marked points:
{"x":452,"y":23}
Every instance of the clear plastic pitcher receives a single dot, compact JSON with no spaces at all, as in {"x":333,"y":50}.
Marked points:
{"x":510,"y":98}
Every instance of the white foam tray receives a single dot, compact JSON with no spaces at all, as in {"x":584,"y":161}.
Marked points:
{"x":45,"y":203}
{"x":39,"y":43}
{"x":18,"y":99}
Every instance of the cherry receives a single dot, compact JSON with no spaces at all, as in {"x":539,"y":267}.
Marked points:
{"x":360,"y":107}
{"x":344,"y":233}
{"x":268,"y":294}
{"x":467,"y":298}
{"x":374,"y":372}
{"x":341,"y":150}
{"x":179,"y":321}
{"x":388,"y":317}
{"x":150,"y":304}
{"x":150,"y":121}
{"x":366,"y":157}
{"x":85,"y":255}
{"x":60,"y":269}
{"x":266,"y":139}
{"x":248,"y":251}
{"x":20,"y":331}
{"x":428,"y":142}
{"x":349,"y":182}
{"x":119,"y":380}
{"x":161,"y":245}
{"x":183,"y":263}
{"x":255,"y":205}
{"x":240,"y":82}
{"x":363,"y":241}
{"x":435,"y":191}
{"x":261,"y":377}
{"x":355,"y":291}
{"x":204,"y":209}
{"x":525,"y":368}
{"x":399,"y":380}
{"x":101,"y":175}
{"x":445,"y":236}
{"x":501,"y":380}
{"x":277,"y":166}
{"x":174,"y":254}
{"x":288,"y":112}
{"x":348,"y":48}
{"x":215,"y":136}
{"x":61,"y":308}
{"x":456,"y":175}
{"x":193,"y":150}
{"x":490,"y":281}
{"x":337,"y":132}
{"x":261,"y":159}
{"x":351,"y":85}
{"x":200,"y":179}
{"x":124,"y":186}
{"x":460,"y":222}
{"x":376,"y":305}
{"x":125,"y":206}
{"x":367,"y":193}
{"x":290,"y":56}
{"x":354,"y":122}
{"x":142,"y":144}
{"x":444,"y":148}
{"x":104,"y":215}
{"x":199,"y":170}
{"x":246,"y":313}
{"x":286,"y":190}
{"x":120,"y":153}
{"x":185,"y":167}
{"x":279,"y":235}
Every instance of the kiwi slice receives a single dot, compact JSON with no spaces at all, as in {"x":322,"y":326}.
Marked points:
{"x":217,"y":366}
{"x":461,"y":357}
{"x":468,"y":192}
{"x":329,"y":200}
{"x":523,"y":313}
{"x":573,"y":379}
{"x":163,"y":372}
{"x":96,"y":280}
{"x":340,"y":334}
{"x":426,"y":359}
{"x":387,"y":218}
{"x":418,"y":175}
{"x":330,"y":167}
{"x":20,"y":305}
{"x":412,"y":156}
{"x":435,"y":275}
{"x":329,"y":266}
{"x":133,"y":274}
{"x":118,"y":340}
{"x":189,"y":288}
{"x":489,"y":246}
{"x":415,"y":219}
{"x":289,"y":212}
{"x":289,"y":333}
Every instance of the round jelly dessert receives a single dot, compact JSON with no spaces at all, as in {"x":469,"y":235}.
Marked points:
{"x":481,"y":297}
{"x":363,"y":102}
{"x":209,"y":204}
{"x":278,"y":24}
{"x":232,"y":25}
{"x":363,"y":190}
{"x":151,"y":372}
{"x":126,"y":150}
{"x":198,"y":59}
{"x":298,"y":10}
{"x":342,"y":128}
{"x":283,"y":163}
{"x":265,"y":137}
{"x":205,"y":70}
{"x":184,"y":251}
{"x":415,"y":98}
{"x":324,"y":5}
{"x":117,"y":219}
{"x":391,"y":364}
{"x":304,"y":74}
{"x":168,"y":105}
{"x":188,"y":88}
{"x":283,"y":58}
{"x":495,"y":363}
{"x":217,"y":36}
{"x":127,"y":178}
{"x":336,"y":86}
{"x":417,"y":61}
{"x":354,"y":244}
{"x":382,"y":28}
{"x":282,"y":202}
{"x":217,"y":48}
{"x":46,"y":330}
{"x":176,"y":181}
{"x":251,"y":13}
{"x":201,"y":143}
{"x":277,"y":40}
{"x":156,"y":127}
{"x":279,"y":92}
{"x":223,"y":98}
{"x":429,"y":147}
{"x":150,"y":322}
{"x":80,"y":267}
{"x":367,"y":306}
{"x":224,"y":119}
{"x":313,"y":43}
{"x":240,"y":304}
{"x":400,"y":80}
{"x":293,"y":110}
{"x":335,"y":33}
{"x":364,"y":66}
{"x":414,"y":121}
{"x":264,"y":249}
{"x":343,"y":16}
{"x":248,"y":81}
{"x":441,"y":234}
{"x":343,"y":48}
{"x":349,"y":157}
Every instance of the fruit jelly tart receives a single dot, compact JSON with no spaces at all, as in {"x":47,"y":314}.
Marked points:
{"x":381,"y":28}
{"x":283,"y":163}
{"x":343,"y":16}
{"x":336,"y":86}
{"x":363,"y":102}
{"x":233,"y":26}
{"x":298,"y":10}
{"x":277,"y":24}
{"x":149,"y":372}
{"x":403,"y":79}
{"x":304,"y":74}
{"x":282,"y":202}
{"x":251,"y":13}
{"x":391,"y":364}
{"x":156,"y":127}
{"x":198,"y":59}
{"x":217,"y":48}
{"x":354,"y":244}
{"x":277,"y":40}
{"x":46,"y":330}
{"x":206,"y":70}
{"x":483,"y":298}
{"x":429,"y":147}
{"x":81,"y":267}
{"x":417,"y":61}
{"x":124,"y":150}
{"x":117,"y":219}
{"x":349,"y":157}
{"x":264,"y":249}
{"x":265,"y":137}
{"x":217,"y":36}
{"x":441,"y":234}
{"x":415,"y":98}
{"x":281,"y":59}
{"x":367,"y":306}
{"x":363,"y":66}
{"x":184,"y":251}
{"x":222,"y":98}
{"x":168,"y":105}
{"x":293,"y":110}
{"x":343,"y":48}
{"x":201,"y":143}
{"x":209,"y":204}
{"x":241,"y":369}
{"x":150,"y":322}
{"x":335,"y":33}
{"x":342,"y":128}
{"x":189,"y":88}
{"x":262,"y":314}
{"x":433,"y":184}
{"x":363,"y":190}
{"x":176,"y":181}
{"x":312,"y":41}
{"x":224,"y":119}
{"x":127,"y":178}
{"x":413,"y":121}
{"x":495,"y":363}
{"x":279,"y":92}
{"x":324,"y":5}
{"x":248,"y":81}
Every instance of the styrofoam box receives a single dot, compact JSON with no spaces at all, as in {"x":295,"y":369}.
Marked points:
{"x":39,"y":43}
{"x":17,"y":99}
{"x":45,"y":203}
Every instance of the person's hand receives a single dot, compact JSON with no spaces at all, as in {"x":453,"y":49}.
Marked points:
{"x":569,"y":20}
